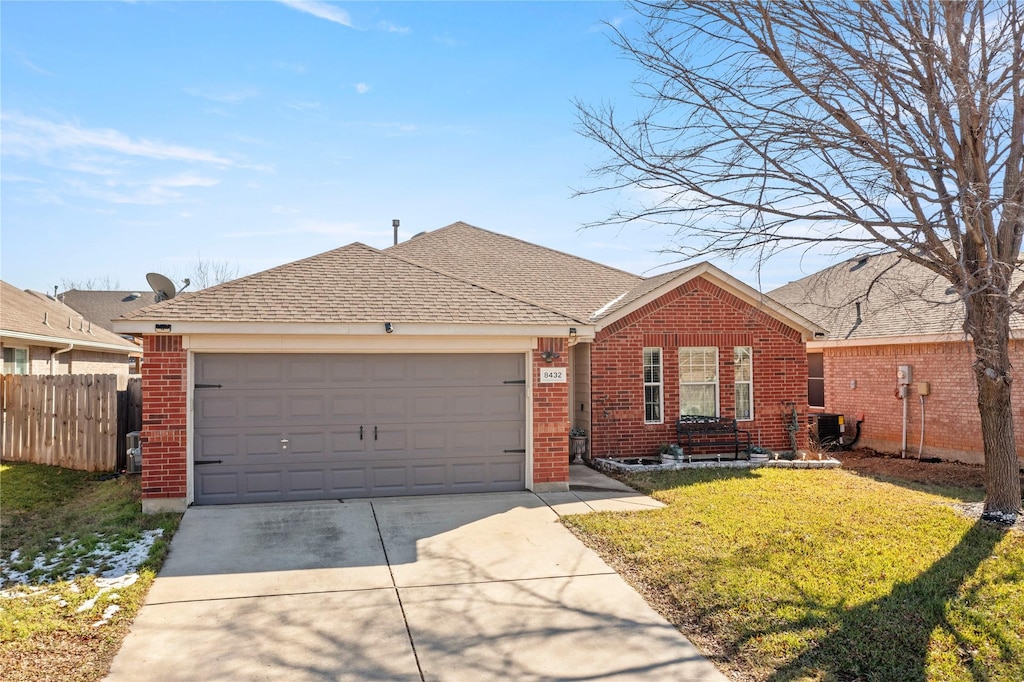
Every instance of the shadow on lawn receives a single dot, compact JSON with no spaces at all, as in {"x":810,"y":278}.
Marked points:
{"x":888,"y":638}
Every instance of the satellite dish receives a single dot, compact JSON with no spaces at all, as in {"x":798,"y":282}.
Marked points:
{"x":163,"y":287}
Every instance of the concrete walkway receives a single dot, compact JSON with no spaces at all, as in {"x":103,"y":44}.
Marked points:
{"x":461,"y":587}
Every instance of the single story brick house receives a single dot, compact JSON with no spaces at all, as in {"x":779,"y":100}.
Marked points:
{"x":40,"y":335}
{"x":884,"y":314}
{"x":456,"y":361}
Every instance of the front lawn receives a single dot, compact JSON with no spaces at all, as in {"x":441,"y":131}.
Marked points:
{"x":823,"y":575}
{"x":77,"y":556}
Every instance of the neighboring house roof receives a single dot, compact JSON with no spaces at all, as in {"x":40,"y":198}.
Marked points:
{"x":36,"y":319}
{"x":895,"y":297}
{"x":103,"y":306}
{"x":352,"y":284}
{"x":575,"y":286}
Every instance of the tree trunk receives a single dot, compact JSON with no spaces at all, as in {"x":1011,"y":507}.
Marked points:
{"x":988,"y":323}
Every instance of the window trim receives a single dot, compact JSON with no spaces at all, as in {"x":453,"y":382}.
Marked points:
{"x":749,"y":382}
{"x":660,"y":384}
{"x":715,"y":383}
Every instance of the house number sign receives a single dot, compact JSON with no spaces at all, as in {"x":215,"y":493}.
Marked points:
{"x":552,"y":375}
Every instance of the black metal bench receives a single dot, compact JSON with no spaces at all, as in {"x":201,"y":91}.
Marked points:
{"x":695,"y":432}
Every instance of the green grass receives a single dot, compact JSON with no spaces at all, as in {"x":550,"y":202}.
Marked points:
{"x":823,"y":575}
{"x":63,"y":515}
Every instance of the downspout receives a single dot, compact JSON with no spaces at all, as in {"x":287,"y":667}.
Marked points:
{"x":53,"y":357}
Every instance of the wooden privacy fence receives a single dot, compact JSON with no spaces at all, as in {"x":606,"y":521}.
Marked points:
{"x":70,"y":420}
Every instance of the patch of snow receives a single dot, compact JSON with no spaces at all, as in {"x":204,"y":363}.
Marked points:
{"x":121,"y":562}
{"x":108,"y":613}
{"x":106,"y":585}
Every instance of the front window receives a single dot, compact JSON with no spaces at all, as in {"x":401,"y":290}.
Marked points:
{"x":742,"y":358}
{"x":652,"y":386}
{"x":698,"y":381}
{"x":15,"y":360}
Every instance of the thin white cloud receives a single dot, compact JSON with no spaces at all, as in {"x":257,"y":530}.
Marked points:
{"x":19,"y":178}
{"x":294,"y":67}
{"x":32,"y":65}
{"x":362,"y":88}
{"x":389,"y":27}
{"x":227,"y":97}
{"x":30,"y":136}
{"x":320,"y":9}
{"x":446,"y":40}
{"x":331,"y":229}
{"x":303,"y":106}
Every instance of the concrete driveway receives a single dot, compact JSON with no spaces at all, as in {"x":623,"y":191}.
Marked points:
{"x":467,"y":587}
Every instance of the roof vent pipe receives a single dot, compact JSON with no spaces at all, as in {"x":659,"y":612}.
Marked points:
{"x":859,"y":320}
{"x":394,"y":224}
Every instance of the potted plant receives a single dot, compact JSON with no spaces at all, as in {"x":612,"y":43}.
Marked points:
{"x":670,"y":453}
{"x":578,"y":443}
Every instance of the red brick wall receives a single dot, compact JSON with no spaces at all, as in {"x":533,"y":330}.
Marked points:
{"x":550,"y":417}
{"x":952,"y":426}
{"x":164,"y":425}
{"x":696,"y":314}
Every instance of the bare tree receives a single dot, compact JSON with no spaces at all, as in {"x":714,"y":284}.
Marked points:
{"x":104,"y":283}
{"x":203,"y":273}
{"x":884,"y":124}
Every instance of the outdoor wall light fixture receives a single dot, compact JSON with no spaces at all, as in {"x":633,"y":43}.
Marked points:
{"x":165,"y":328}
{"x":388,"y":327}
{"x":549,"y":355}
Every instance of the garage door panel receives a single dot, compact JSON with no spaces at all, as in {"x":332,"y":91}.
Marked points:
{"x":347,"y":481}
{"x":306,"y":407}
{"x":443,"y":424}
{"x":348,"y":405}
{"x":300,"y":481}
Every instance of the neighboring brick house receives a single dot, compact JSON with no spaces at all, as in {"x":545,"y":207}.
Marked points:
{"x":883,"y":313}
{"x":453,"y":362}
{"x":40,"y":335}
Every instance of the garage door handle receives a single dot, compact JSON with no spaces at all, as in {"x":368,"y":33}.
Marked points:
{"x":514,"y":381}
{"x":522,"y":450}
{"x":208,"y":461}
{"x":375,"y":433}
{"x":360,"y":433}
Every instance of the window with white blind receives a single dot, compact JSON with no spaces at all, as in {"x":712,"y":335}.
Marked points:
{"x":698,"y":381}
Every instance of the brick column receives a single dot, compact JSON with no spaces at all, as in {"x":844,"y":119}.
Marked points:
{"x":550,"y":420}
{"x":164,"y":424}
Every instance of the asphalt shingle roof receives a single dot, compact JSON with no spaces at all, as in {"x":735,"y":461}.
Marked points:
{"x":29,"y":312}
{"x":559,"y":281}
{"x":355,"y":283}
{"x":103,"y":306}
{"x":896,"y":297}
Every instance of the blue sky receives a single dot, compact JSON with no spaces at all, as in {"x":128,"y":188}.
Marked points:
{"x":137,"y":137}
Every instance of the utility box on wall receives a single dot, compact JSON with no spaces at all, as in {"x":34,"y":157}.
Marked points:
{"x":904,"y":375}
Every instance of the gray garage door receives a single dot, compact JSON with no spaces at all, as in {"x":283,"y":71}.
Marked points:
{"x":282,"y":427}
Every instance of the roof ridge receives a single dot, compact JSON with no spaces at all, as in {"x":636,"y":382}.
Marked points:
{"x":478,"y":285}
{"x":243,"y":278}
{"x":533,"y":245}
